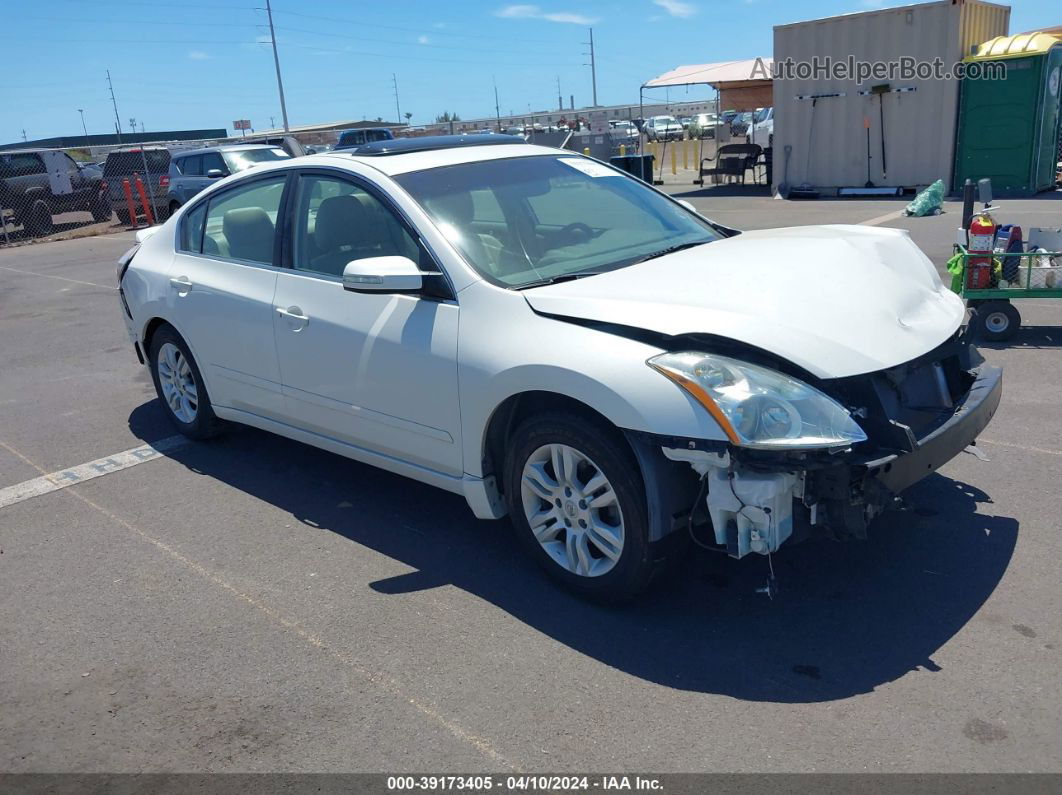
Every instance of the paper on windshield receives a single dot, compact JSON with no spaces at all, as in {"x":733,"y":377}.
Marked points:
{"x":589,"y":167}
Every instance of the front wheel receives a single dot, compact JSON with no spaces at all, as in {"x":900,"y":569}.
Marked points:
{"x":180,"y":387}
{"x":996,"y":321}
{"x":578,"y":505}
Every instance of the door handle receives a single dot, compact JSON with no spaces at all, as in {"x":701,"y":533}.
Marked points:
{"x":181,"y":284}
{"x":294,"y":313}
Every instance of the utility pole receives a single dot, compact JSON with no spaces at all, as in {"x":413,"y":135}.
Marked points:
{"x":592,"y":64}
{"x":132,"y":124}
{"x":497,"y":111}
{"x":560,"y":99}
{"x":114,"y":104}
{"x":272,"y":124}
{"x":23,"y":133}
{"x":141,"y":126}
{"x":398,"y":108}
{"x":276,"y":61}
{"x":83,"y":127}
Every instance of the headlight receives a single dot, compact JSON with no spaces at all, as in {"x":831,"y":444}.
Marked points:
{"x":758,"y":407}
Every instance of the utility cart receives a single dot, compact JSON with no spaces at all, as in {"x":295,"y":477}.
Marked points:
{"x":989,"y":292}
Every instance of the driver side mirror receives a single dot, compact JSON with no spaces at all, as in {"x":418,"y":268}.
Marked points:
{"x":688,"y":205}
{"x":383,"y":275}
{"x":215,"y":173}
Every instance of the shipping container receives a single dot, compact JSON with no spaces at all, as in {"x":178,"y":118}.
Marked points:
{"x":911,"y":121}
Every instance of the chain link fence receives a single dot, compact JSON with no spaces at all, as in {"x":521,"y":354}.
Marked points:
{"x":49,"y":193}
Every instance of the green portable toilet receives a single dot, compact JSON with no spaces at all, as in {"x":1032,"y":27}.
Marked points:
{"x":1008,"y":125}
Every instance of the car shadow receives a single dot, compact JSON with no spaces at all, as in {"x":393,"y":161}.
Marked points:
{"x":848,"y":617}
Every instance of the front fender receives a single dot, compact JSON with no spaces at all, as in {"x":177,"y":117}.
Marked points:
{"x":506,"y":349}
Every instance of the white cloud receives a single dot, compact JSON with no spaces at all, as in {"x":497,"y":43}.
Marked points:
{"x":423,"y":40}
{"x":198,"y":55}
{"x":677,"y":8}
{"x":534,"y":12}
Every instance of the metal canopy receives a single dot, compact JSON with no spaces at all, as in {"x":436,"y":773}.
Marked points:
{"x":741,"y":85}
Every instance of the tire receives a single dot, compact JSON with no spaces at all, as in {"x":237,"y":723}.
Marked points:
{"x":161,"y":213}
{"x":100,"y":207}
{"x":996,"y":321}
{"x":174,"y":207}
{"x":123,"y":217}
{"x":39,"y":219}
{"x":180,"y":387}
{"x":611,"y":564}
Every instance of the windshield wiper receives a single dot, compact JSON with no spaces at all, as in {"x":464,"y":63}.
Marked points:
{"x":670,"y":250}
{"x":563,"y":277}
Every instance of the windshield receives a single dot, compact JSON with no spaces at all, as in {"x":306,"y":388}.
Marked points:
{"x":242,"y":159}
{"x":763,"y":114}
{"x":530,"y":220}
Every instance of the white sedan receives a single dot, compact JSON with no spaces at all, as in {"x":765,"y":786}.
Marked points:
{"x":560,"y":342}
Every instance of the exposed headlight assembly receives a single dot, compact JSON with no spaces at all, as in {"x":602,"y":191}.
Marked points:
{"x":760,"y":408}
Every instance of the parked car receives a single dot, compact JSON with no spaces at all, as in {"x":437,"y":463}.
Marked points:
{"x":739,"y":126}
{"x":558,"y":341}
{"x":685,"y":122}
{"x":289,"y":143}
{"x":623,"y":133}
{"x":703,"y":125}
{"x":762,"y":130}
{"x":36,"y":184}
{"x":348,"y":139}
{"x":194,"y":169}
{"x":663,"y":128}
{"x":152,"y":164}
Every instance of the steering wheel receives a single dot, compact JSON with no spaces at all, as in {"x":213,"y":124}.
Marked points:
{"x":577,"y":232}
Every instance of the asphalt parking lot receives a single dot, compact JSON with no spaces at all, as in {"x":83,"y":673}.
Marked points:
{"x":253,"y":604}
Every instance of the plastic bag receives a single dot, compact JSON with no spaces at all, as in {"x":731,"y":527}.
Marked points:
{"x":928,"y":202}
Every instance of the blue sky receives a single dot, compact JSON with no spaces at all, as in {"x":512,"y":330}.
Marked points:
{"x":178,"y":65}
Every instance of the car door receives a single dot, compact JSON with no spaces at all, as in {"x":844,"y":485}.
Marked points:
{"x":221,"y":293}
{"x":374,"y":370}
{"x":191,"y":172}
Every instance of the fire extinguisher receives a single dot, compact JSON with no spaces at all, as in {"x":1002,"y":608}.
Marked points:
{"x":979,"y":264}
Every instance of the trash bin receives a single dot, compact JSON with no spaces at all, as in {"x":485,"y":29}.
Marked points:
{"x":640,"y":166}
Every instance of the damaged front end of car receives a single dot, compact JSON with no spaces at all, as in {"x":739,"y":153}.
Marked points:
{"x":824,"y":456}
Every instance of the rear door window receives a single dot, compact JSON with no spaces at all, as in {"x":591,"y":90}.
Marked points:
{"x":193,"y":166}
{"x":241,"y":223}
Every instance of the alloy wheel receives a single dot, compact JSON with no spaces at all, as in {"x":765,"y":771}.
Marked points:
{"x":178,"y":383}
{"x":572,"y":509}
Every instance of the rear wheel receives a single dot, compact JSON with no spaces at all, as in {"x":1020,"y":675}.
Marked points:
{"x":996,"y":320}
{"x":578,"y":505}
{"x":39,"y":220}
{"x":123,"y":217}
{"x":180,"y":386}
{"x":174,"y":207}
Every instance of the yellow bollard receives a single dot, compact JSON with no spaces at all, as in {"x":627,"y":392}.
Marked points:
{"x":685,"y":155}
{"x":623,"y":150}
{"x":674,"y":161}
{"x":586,"y":151}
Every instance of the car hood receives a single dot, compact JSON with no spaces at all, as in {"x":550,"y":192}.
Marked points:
{"x":834,"y":300}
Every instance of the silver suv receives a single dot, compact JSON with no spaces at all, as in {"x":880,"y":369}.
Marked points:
{"x":195,"y":169}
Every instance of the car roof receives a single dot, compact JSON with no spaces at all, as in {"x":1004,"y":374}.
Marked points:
{"x":418,"y":159}
{"x":223,"y":148}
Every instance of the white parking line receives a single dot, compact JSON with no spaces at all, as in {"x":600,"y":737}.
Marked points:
{"x":60,"y":278}
{"x":93,"y":469}
{"x":881,"y":219}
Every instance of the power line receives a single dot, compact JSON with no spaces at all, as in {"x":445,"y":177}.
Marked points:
{"x":405,"y":57}
{"x":286,"y":29}
{"x":363,"y":23}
